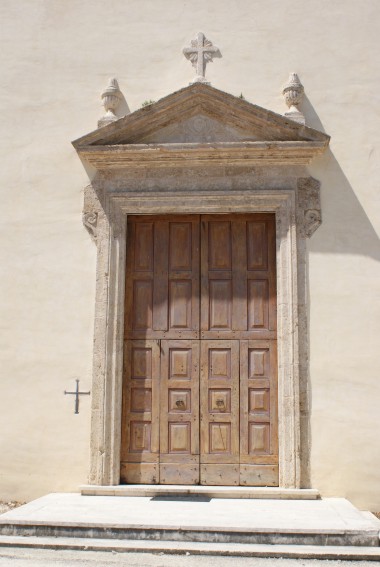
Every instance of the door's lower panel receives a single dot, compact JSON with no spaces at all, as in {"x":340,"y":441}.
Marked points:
{"x":139,"y":473}
{"x":216,"y":475}
{"x":258,"y":475}
{"x":200,"y":412}
{"x":174,"y":473}
{"x":193,"y":473}
{"x":140,"y":431}
{"x":179,"y":412}
{"x":219,"y":388}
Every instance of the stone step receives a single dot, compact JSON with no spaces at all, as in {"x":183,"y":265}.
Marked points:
{"x":249,"y":492}
{"x":194,"y":518}
{"x":195,"y":548}
{"x":147,"y":532}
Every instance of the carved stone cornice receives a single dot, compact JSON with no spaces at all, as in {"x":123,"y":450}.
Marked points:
{"x":218,"y":153}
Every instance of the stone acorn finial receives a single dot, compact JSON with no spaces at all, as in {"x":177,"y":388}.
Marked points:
{"x":293,"y":93}
{"x":111,"y":97}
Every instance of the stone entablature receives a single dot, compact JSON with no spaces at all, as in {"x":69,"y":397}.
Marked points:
{"x":264,"y":173}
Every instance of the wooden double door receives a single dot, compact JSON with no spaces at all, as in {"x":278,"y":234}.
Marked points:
{"x":200,"y":365}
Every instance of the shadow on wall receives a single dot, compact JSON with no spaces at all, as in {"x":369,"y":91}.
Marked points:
{"x":346,"y":228}
{"x":123,"y":108}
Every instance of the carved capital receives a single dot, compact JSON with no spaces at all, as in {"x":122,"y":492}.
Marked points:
{"x":309,"y":206}
{"x":90,"y":221}
{"x":312,"y":220}
{"x":91,"y":211}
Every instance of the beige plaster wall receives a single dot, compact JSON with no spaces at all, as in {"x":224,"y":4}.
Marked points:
{"x":56,"y":58}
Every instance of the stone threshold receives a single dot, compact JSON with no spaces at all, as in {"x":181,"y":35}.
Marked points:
{"x":249,"y":492}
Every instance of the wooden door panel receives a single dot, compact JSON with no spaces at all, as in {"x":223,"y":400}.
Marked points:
{"x":139,"y":473}
{"x":160,"y":279}
{"x":219,"y":245}
{"x":258,"y":475}
{"x":238,"y":277}
{"x":258,"y":304}
{"x":216,"y":278}
{"x":220,"y":474}
{"x":142,"y":305}
{"x":180,"y":303}
{"x":183,"y":276}
{"x":187,"y":473}
{"x":219,"y":403}
{"x":258,"y":244}
{"x":220,"y":304}
{"x":181,"y":246}
{"x":162,"y":284}
{"x":258,"y":402}
{"x":143,"y":252}
{"x":140,"y":429}
{"x":179,"y":412}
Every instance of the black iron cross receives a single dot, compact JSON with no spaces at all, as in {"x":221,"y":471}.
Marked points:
{"x":77,"y":393}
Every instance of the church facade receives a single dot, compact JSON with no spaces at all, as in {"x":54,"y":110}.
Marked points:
{"x":191,"y":286}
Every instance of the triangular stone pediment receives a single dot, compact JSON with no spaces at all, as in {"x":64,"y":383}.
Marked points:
{"x":199,"y":128}
{"x":193,"y":119}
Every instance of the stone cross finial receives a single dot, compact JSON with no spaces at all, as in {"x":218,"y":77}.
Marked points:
{"x":293,"y":92}
{"x":200,"y":53}
{"x":111,"y":97}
